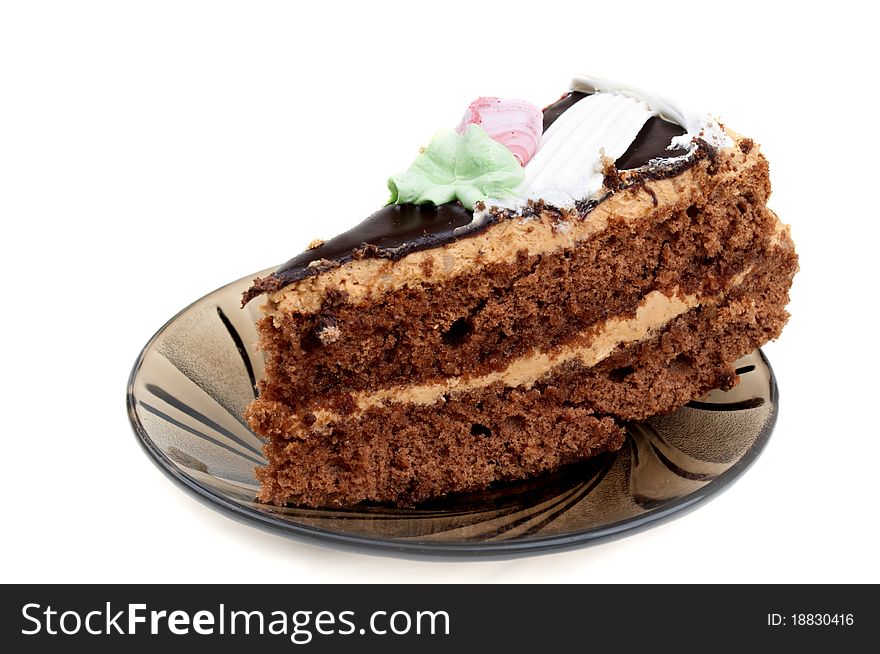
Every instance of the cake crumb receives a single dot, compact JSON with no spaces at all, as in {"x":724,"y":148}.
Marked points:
{"x":561,"y":227}
{"x":366,"y":251}
{"x":611,"y":177}
{"x":329,"y":334}
{"x":316,"y":243}
{"x":323,"y":265}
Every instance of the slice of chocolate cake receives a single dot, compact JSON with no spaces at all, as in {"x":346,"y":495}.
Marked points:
{"x":537,"y":280}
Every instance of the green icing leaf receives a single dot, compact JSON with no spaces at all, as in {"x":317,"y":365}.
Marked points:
{"x":468,"y":167}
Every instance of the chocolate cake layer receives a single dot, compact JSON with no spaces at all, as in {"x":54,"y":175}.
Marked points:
{"x":482,"y":319}
{"x":403,"y":457}
{"x":404,"y":453}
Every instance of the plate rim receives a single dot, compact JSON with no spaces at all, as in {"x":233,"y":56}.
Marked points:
{"x":421,"y":549}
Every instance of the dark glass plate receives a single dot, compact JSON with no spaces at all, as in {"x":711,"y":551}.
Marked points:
{"x":193,"y":380}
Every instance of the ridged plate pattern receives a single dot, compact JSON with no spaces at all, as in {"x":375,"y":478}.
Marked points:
{"x":193,"y":380}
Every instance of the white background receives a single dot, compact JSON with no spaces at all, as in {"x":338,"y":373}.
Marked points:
{"x":144,"y":147}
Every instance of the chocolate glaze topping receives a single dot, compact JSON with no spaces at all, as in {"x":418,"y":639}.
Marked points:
{"x":396,"y":230}
{"x":563,"y":104}
{"x":651,"y":143}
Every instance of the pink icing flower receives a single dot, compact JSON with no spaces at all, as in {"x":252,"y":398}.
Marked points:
{"x":516,"y":124}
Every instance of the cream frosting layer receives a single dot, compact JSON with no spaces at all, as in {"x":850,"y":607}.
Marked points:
{"x":655,"y":311}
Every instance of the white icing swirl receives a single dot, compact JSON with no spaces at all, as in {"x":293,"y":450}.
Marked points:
{"x":568,"y":164}
{"x":567,"y":167}
{"x":699,"y":125}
